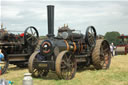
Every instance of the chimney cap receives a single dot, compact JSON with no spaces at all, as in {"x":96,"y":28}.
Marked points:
{"x":50,"y":5}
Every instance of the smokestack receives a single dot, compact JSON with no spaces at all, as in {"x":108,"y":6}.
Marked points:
{"x":50,"y":12}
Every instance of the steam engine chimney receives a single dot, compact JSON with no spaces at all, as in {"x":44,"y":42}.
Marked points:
{"x":50,"y":12}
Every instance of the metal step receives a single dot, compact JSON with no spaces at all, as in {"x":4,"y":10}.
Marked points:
{"x":80,"y":56}
{"x":18,"y":55}
{"x":80,"y":60}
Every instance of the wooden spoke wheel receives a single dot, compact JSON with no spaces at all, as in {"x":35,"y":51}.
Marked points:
{"x":31,"y":36}
{"x":39,"y":73}
{"x":36,"y":72}
{"x":4,"y":63}
{"x":101,"y":55}
{"x":90,"y":36}
{"x":66,"y":65}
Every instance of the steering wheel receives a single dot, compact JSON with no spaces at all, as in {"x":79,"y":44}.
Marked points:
{"x":90,"y":36}
{"x":31,"y":36}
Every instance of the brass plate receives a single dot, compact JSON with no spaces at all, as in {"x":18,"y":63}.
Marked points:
{"x":43,"y":65}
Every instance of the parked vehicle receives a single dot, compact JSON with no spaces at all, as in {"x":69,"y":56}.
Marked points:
{"x":68,"y":51}
{"x":17,"y":48}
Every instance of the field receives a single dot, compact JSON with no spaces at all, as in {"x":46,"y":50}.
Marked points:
{"x":116,"y":75}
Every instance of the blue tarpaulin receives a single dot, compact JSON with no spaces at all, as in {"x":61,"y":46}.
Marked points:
{"x":1,"y":56}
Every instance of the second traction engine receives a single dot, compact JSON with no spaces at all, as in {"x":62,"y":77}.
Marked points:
{"x":17,"y":48}
{"x":68,"y":51}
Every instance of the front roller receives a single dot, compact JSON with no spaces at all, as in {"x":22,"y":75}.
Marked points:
{"x":101,"y":55}
{"x":33,"y":67}
{"x":66,"y":65}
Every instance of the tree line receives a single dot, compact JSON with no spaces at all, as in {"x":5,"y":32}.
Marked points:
{"x":113,"y":37}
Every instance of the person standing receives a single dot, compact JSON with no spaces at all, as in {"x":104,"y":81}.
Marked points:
{"x":112,"y":47}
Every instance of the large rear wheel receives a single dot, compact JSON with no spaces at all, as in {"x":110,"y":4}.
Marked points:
{"x":66,"y":65}
{"x":101,"y":55}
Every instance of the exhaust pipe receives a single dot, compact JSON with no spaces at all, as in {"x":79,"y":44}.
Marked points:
{"x":50,"y":12}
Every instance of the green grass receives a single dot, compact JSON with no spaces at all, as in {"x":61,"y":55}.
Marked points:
{"x":116,"y":75}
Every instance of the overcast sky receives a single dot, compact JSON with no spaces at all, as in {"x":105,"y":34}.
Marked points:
{"x":106,"y":16}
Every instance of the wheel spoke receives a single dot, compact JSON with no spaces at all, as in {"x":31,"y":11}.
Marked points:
{"x":63,"y":72}
{"x":69,"y":58}
{"x":106,"y":59}
{"x":29,"y":38}
{"x":66,"y":58}
{"x":106,"y":50}
{"x":28,"y":33}
{"x":36,"y":39}
{"x":31,"y":31}
{"x":91,"y":39}
{"x":63,"y":67}
{"x":34,"y":33}
{"x":35,"y":70}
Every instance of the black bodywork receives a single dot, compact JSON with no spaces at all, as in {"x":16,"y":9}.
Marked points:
{"x":50,"y":48}
{"x":77,"y":47}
